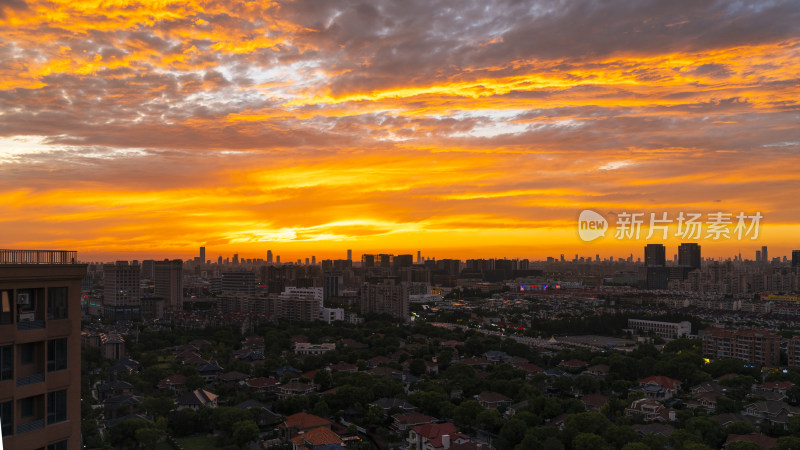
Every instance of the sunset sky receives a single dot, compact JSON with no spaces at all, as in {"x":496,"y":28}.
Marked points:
{"x":133,"y":129}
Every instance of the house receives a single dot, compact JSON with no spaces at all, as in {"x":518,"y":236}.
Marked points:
{"x":594,"y":402}
{"x":249,"y":356}
{"x":513,"y":409}
{"x":708,"y":386}
{"x":265,"y":417}
{"x":530,"y":370}
{"x":342,"y":366}
{"x":283,"y":370}
{"x":431,"y":368}
{"x":120,"y":405}
{"x":209,"y":372}
{"x":598,"y":370}
{"x":112,"y":388}
{"x":573,"y":365}
{"x":305,"y":348}
{"x":233,"y":379}
{"x":654,"y":428}
{"x":771,"y":411}
{"x":779,"y":387}
{"x":262,"y":385}
{"x":492,"y":400}
{"x":388,"y":404}
{"x":651,"y":410}
{"x":660,"y":387}
{"x":756,"y":438}
{"x":303,"y":422}
{"x":255,"y":343}
{"x":704,"y":400}
{"x":498,"y":357}
{"x":196,"y":399}
{"x":295,"y":387}
{"x":404,"y":422}
{"x":175,"y":382}
{"x":378,"y":361}
{"x":435,"y":436}
{"x":321,"y":438}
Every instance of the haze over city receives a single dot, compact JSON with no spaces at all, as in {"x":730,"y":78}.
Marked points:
{"x":465,"y":129}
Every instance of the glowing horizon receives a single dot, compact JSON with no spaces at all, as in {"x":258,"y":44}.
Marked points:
{"x":460,"y":129}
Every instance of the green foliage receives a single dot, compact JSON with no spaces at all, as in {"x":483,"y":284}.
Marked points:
{"x":589,"y":441}
{"x":244,"y":431}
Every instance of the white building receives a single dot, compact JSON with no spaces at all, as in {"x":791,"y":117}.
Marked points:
{"x":668,"y":330}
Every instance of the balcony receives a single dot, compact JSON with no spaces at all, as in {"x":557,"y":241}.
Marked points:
{"x":30,"y":426}
{"x":30,"y":325}
{"x":30,"y":379}
{"x":38,"y":256}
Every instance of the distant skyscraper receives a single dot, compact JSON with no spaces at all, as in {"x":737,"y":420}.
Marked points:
{"x":349,"y":255}
{"x":367,"y":260}
{"x":314,"y":260}
{"x":169,"y":282}
{"x":689,"y":254}
{"x":219,"y":260}
{"x":236,"y":258}
{"x":269,"y":256}
{"x":202,"y":255}
{"x":419,"y":257}
{"x":758,"y":256}
{"x":655,"y":255}
{"x":278,"y":259}
{"x":764,"y":255}
{"x":795,"y":258}
{"x":121,"y":297}
{"x":308,"y":261}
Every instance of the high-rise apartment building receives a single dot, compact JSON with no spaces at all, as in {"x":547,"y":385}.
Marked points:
{"x":388,"y":296}
{"x":689,"y":254}
{"x":269,"y":256}
{"x":349,"y":255}
{"x":121,"y":296}
{"x":169,"y":282}
{"x":655,"y":255}
{"x":40,"y":349}
{"x":758,"y":347}
{"x":764,"y":254}
{"x":795,"y":258}
{"x":202,"y":255}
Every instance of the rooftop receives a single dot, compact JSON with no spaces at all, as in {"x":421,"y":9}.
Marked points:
{"x":38,"y":256}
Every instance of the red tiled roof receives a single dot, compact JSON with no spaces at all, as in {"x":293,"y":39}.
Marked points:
{"x":305,"y":421}
{"x":322,"y":436}
{"x":413,"y":418}
{"x":665,"y":382}
{"x":432,"y":430}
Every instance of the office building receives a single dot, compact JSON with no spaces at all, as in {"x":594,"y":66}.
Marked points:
{"x":387,"y":296}
{"x":758,"y":256}
{"x":689,"y":255}
{"x":758,"y":347}
{"x":369,"y":260}
{"x":169,"y":282}
{"x":795,"y":258}
{"x":202,"y":255}
{"x":667,"y":330}
{"x":764,"y":255}
{"x":269,"y":256}
{"x":121,"y":296}
{"x":40,"y":349}
{"x":349,"y":255}
{"x":242,"y":282}
{"x":655,"y":255}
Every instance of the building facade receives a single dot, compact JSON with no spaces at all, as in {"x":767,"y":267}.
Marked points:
{"x":40,"y":353}
{"x":757,"y":347}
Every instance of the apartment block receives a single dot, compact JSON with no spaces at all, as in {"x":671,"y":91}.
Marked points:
{"x":40,"y":349}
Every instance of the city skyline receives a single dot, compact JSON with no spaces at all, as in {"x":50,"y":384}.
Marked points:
{"x":463,"y":129}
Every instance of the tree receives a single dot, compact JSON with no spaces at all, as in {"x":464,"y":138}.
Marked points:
{"x":788,"y":443}
{"x":244,"y":431}
{"x":149,"y":437}
{"x":635,"y":446}
{"x":194,"y":382}
{"x":122,"y":433}
{"x":513,"y":432}
{"x":588,"y":422}
{"x":490,"y":420}
{"x":744,"y":445}
{"x":465,"y":414}
{"x":417,"y":367}
{"x":742,"y":427}
{"x":710,"y":431}
{"x":158,"y":406}
{"x":589,"y":441}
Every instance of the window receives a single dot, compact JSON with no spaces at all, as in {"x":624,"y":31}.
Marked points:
{"x":6,"y":307}
{"x":56,"y":406}
{"x":26,"y":353}
{"x":57,"y":300}
{"x":58,"y":446}
{"x":26,"y":407}
{"x":6,"y":362}
{"x":7,"y":417}
{"x":56,"y":354}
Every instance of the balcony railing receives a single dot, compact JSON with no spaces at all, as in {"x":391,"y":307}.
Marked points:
{"x":30,"y":379}
{"x":30,"y":325}
{"x":38,"y":256}
{"x":30,"y":426}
